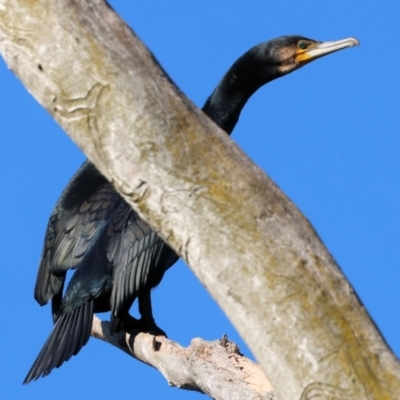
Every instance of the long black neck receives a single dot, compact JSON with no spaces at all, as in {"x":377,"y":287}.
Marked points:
{"x":244,"y":78}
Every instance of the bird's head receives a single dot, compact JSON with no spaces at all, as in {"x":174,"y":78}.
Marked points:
{"x":289,"y":53}
{"x":262,"y":64}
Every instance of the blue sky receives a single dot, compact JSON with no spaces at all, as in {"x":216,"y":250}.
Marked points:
{"x":327,"y":134}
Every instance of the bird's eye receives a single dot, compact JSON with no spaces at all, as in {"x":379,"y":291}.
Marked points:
{"x":302,"y":45}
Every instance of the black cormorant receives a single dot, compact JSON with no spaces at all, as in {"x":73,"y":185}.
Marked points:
{"x":117,"y":256}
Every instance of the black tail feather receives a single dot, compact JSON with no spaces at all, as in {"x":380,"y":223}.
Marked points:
{"x":70,"y":333}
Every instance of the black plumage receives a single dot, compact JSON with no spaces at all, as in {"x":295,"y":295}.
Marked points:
{"x":117,"y":256}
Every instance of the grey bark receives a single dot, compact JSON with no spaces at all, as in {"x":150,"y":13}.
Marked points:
{"x":248,"y":244}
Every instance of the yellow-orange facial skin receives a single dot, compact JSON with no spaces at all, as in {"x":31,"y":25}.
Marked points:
{"x":308,"y":51}
{"x":303,"y":54}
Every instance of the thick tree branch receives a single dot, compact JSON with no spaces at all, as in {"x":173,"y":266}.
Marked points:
{"x":214,"y":368}
{"x":248,"y":244}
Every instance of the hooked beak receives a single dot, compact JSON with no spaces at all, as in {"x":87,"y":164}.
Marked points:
{"x":324,"y":48}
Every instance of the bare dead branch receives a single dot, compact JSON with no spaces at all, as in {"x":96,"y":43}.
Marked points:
{"x":215,"y":368}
